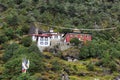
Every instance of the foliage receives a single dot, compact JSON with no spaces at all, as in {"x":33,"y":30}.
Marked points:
{"x":3,"y":38}
{"x":12,"y":20}
{"x":75,"y":41}
{"x":26,"y":41}
{"x":36,"y":60}
{"x":97,"y":49}
{"x":113,"y":66}
{"x":9,"y":33}
{"x":13,"y":57}
{"x":90,"y":67}
{"x":56,"y":66}
{"x":34,"y":48}
{"x":12,"y":68}
{"x":18,"y":14}
{"x":10,"y":49}
{"x":25,"y":29}
{"x":25,"y":77}
{"x":65,"y":30}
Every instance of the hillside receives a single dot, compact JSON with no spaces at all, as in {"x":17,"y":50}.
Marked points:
{"x":99,"y":58}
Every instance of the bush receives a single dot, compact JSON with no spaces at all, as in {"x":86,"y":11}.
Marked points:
{"x":26,"y":41}
{"x":105,"y":61}
{"x":56,"y":66}
{"x":75,"y":41}
{"x":9,"y":51}
{"x":93,"y":49}
{"x":18,"y":32}
{"x":25,"y":29}
{"x":112,"y":66}
{"x":35,"y":49}
{"x":36,"y":63}
{"x":12,"y":20}
{"x":13,"y":65}
{"x":9,"y":32}
{"x":90,"y":67}
{"x":84,"y":53}
{"x":25,"y":77}
{"x":3,"y":38}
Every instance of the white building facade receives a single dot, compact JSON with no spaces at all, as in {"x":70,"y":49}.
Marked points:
{"x":43,"y":41}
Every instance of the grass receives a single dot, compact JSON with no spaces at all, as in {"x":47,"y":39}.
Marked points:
{"x":77,"y":68}
{"x":106,"y":77}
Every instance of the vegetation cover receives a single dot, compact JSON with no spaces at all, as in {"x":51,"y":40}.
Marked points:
{"x":99,"y":57}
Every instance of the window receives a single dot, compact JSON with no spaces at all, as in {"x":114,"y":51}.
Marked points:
{"x":41,"y":39}
{"x":46,"y":43}
{"x":41,"y":43}
{"x":46,"y":39}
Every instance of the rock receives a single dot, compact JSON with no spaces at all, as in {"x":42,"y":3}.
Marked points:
{"x":65,"y":76}
{"x":117,"y":78}
{"x":74,"y":60}
{"x":39,"y":79}
{"x":69,"y":59}
{"x":82,"y":74}
{"x":96,"y":79}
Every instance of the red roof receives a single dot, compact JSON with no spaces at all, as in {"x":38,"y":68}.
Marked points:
{"x":81,"y":37}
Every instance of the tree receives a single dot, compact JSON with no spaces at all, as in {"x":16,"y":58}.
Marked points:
{"x":84,"y":53}
{"x":9,"y":32}
{"x":75,"y":41}
{"x":18,"y":1}
{"x":36,"y":63}
{"x":65,"y":31}
{"x":26,"y":76}
{"x":113,"y":66}
{"x":13,"y":65}
{"x":56,"y":66}
{"x":33,"y":48}
{"x":12,"y":68}
{"x":90,"y":67}
{"x":10,"y":51}
{"x":12,"y":20}
{"x":26,"y":41}
{"x":36,"y":1}
{"x":3,"y":38}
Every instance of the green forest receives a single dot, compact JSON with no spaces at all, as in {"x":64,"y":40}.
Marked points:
{"x":98,"y":59}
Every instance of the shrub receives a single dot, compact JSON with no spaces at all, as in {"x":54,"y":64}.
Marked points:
{"x":35,"y":49}
{"x":25,"y":29}
{"x":13,"y":65}
{"x":26,"y":41}
{"x":75,"y":41}
{"x":90,"y":67}
{"x":84,"y":53}
{"x":9,"y":32}
{"x":36,"y":63}
{"x":25,"y":77}
{"x":9,"y":51}
{"x":56,"y":66}
{"x":12,"y":20}
{"x":3,"y":38}
{"x":112,"y":66}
